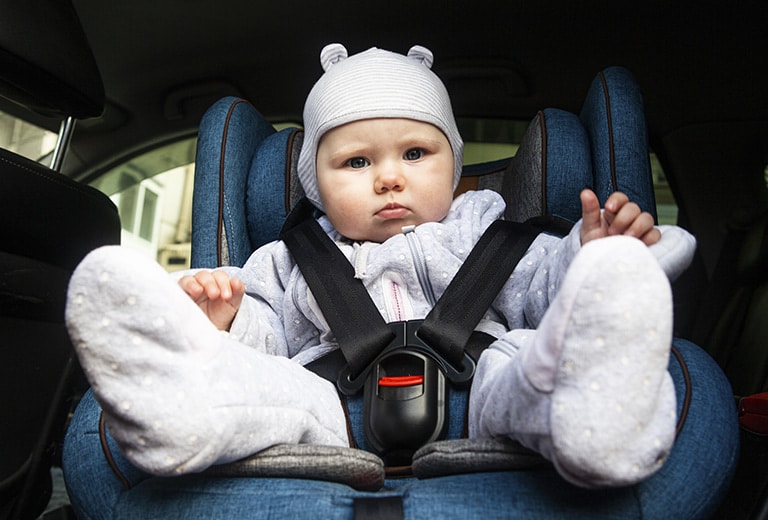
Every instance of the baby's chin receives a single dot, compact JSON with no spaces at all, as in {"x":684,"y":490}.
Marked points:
{"x":370,"y":237}
{"x":382,"y":231}
{"x":380,"y":235}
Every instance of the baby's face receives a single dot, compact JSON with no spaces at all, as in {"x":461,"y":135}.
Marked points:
{"x":377,"y":175}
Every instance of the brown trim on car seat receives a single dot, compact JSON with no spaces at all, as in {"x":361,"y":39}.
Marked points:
{"x":220,"y":224}
{"x":108,"y":453}
{"x":609,"y":121}
{"x":688,"y":390}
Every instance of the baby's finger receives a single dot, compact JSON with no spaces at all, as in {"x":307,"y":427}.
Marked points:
{"x":237,"y":286}
{"x":590,"y":209}
{"x":642,"y":227}
{"x":652,"y":236}
{"x":238,"y":291}
{"x":615,"y":202}
{"x":223,"y":283}
{"x":622,"y":221}
{"x":209,"y":284}
{"x":191,"y":286}
{"x":592,"y":223}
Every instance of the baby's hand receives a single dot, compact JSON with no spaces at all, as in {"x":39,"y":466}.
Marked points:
{"x":620,"y":217}
{"x":217,"y":294}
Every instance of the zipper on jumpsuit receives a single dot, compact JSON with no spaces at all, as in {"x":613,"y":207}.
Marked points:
{"x":420,"y":264}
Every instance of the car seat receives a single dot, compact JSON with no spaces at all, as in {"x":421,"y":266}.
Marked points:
{"x":48,"y":222}
{"x":246,"y":185}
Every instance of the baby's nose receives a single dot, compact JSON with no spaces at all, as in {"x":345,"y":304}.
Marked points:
{"x":390,"y":178}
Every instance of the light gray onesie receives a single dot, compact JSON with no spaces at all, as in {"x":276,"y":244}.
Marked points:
{"x":180,"y":396}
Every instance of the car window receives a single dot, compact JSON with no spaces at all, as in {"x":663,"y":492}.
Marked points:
{"x":490,"y":139}
{"x":26,"y":139}
{"x":666,"y":207}
{"x":153,"y":195}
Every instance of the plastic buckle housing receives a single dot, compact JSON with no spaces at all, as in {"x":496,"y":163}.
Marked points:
{"x":406,"y":338}
{"x":405,"y":394}
{"x":404,"y":405}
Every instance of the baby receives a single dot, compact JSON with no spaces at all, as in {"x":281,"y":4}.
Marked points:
{"x":209,"y":368}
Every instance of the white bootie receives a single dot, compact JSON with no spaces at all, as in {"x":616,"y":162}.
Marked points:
{"x":177,"y":394}
{"x":589,"y":389}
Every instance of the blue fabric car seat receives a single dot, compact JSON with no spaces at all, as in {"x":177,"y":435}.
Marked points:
{"x":244,"y":188}
{"x":605,"y":148}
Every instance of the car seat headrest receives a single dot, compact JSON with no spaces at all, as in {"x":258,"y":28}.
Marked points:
{"x":46,"y":63}
{"x":274,"y":162}
{"x":551,"y":167}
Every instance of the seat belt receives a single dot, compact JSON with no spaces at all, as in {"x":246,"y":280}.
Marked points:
{"x":450,"y":323}
{"x":403,"y":367}
{"x":352,"y":316}
{"x":350,"y":312}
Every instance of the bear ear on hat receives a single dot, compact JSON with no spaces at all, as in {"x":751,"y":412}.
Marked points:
{"x":422,"y":54}
{"x":332,"y":54}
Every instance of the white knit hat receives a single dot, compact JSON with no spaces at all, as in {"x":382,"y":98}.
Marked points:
{"x":373,"y":84}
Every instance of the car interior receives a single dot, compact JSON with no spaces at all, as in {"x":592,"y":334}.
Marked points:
{"x":101,"y":106}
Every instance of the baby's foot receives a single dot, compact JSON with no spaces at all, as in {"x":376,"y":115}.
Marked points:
{"x":123,"y":307}
{"x":177,"y":394}
{"x":612,"y":414}
{"x":142,"y":343}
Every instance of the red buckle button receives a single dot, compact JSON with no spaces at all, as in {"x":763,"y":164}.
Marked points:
{"x":401,"y":381}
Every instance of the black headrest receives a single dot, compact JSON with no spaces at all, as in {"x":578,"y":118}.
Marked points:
{"x":46,"y":63}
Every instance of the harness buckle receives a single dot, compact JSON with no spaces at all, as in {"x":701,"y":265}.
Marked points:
{"x":407,"y":338}
{"x":405,"y":394}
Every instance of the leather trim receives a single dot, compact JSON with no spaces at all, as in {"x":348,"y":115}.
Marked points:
{"x":688,"y":390}
{"x":220,"y":231}
{"x":108,"y":453}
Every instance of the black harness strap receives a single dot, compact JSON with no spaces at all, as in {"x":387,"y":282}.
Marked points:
{"x":351,"y":314}
{"x":358,"y":325}
{"x":448,"y":327}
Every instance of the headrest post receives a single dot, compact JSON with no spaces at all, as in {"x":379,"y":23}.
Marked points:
{"x":62,"y":144}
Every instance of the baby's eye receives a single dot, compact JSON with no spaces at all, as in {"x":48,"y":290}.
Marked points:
{"x":357,"y":162}
{"x":414,"y":154}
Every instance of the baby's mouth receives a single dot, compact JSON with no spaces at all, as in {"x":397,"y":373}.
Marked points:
{"x":392,"y":210}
